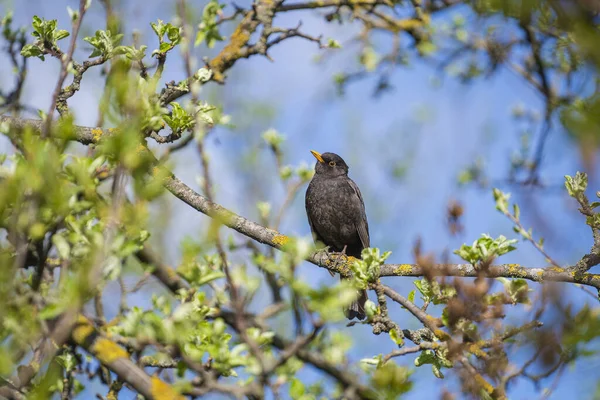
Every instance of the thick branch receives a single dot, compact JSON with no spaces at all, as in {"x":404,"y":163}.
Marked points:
{"x":115,"y":358}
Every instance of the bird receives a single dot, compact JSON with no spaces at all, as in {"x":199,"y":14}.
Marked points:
{"x":337,"y":217}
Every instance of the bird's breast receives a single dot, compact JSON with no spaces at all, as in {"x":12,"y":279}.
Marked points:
{"x":331,"y":212}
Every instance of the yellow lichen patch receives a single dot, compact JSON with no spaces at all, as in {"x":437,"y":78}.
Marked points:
{"x":556,"y":269}
{"x":515,"y":270}
{"x":476,"y":351}
{"x":484,"y":384}
{"x":103,"y":174}
{"x":97,"y":133}
{"x":280,"y":240}
{"x":407,"y":25}
{"x":403,"y":269}
{"x":440,"y":334}
{"x":340,"y":262}
{"x":163,"y":391}
{"x":350,"y":259}
{"x":83,"y":329}
{"x":54,"y":262}
{"x":35,"y":365}
{"x":171,"y":273}
{"x":540,"y":275}
{"x":231,"y":52}
{"x":358,"y":2}
{"x":586,"y":277}
{"x":107,"y":351}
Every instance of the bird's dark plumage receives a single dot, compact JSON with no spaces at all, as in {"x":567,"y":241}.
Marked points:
{"x":336,"y":214}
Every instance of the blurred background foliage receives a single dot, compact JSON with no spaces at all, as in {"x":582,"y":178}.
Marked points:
{"x":432,"y":103}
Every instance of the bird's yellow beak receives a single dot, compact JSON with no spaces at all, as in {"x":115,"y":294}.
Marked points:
{"x":317,"y":156}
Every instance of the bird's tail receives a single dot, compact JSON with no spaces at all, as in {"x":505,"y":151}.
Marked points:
{"x":356,"y":309}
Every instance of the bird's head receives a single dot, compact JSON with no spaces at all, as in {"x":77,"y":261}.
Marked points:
{"x":329,"y":164}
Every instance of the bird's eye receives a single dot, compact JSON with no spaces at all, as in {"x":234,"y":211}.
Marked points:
{"x":332,"y":163}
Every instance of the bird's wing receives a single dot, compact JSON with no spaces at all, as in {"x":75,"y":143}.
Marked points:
{"x":362,"y":225}
{"x":315,"y":234}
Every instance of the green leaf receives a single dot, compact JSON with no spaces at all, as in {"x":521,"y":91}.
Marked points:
{"x":30,"y":50}
{"x":327,"y":301}
{"x":60,"y":34}
{"x":426,"y":48}
{"x":517,"y":289}
{"x":207,"y":278}
{"x":396,"y":338}
{"x":433,"y":291}
{"x":424,"y":288}
{"x":285,"y":172}
{"x":296,"y":388}
{"x":200,"y":273}
{"x":179,"y":120}
{"x":437,"y":359}
{"x":174,"y":34}
{"x":73,"y":14}
{"x":391,"y":381}
{"x":208,"y":30}
{"x":372,"y":361}
{"x":181,"y":368}
{"x":264,"y":209}
{"x":577,"y":185}
{"x":445,"y":317}
{"x":132,"y":53}
{"x":369,"y":59}
{"x":62,"y":246}
{"x":371,"y":309}
{"x":46,"y":34}
{"x":67,"y":360}
{"x":165,"y":47}
{"x":485,"y":249}
{"x":583,"y":329}
{"x":52,"y":310}
{"x":304,"y":172}
{"x":436,"y":371}
{"x":273,"y":138}
{"x":159,"y":28}
{"x":367,"y":268}
{"x":426,"y":357}
{"x":333,"y":44}
{"x":501,"y":199}
{"x":104,"y":44}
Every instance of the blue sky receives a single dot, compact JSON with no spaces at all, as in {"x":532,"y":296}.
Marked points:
{"x":435,"y":130}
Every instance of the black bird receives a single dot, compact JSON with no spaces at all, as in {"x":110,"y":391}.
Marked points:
{"x":336,"y":214}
